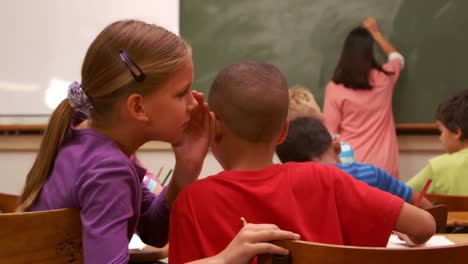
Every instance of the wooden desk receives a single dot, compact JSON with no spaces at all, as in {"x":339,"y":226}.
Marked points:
{"x":457,"y":219}
{"x":457,"y":238}
{"x":152,"y":254}
{"x":148,"y":254}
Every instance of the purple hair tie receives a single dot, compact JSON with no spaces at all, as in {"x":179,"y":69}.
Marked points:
{"x":78,"y":99}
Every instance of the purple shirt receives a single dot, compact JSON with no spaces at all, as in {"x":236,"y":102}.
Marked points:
{"x":93,"y":174}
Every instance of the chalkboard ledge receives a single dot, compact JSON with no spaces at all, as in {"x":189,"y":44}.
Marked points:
{"x":401,"y":129}
{"x":22,"y":129}
{"x":417,"y":129}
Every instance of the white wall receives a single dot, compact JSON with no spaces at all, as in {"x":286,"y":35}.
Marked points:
{"x":46,"y":40}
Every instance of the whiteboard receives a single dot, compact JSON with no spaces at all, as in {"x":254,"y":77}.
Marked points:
{"x":44,"y":42}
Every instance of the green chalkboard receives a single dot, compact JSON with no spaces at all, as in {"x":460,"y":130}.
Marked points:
{"x":304,"y":38}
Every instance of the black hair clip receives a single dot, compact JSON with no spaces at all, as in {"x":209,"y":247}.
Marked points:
{"x":126,"y":59}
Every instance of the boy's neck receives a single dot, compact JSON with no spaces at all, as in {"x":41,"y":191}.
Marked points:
{"x":463,"y":145}
{"x":330,"y":156}
{"x":247,"y":156}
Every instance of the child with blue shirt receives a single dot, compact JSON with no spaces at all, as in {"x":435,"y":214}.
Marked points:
{"x":448,"y":171}
{"x":136,"y":86}
{"x":302,"y":103}
{"x":309,"y":140}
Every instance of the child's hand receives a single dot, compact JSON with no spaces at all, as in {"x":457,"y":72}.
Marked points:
{"x":190,"y":152}
{"x":371,"y":25}
{"x":406,"y":239}
{"x":253,"y":240}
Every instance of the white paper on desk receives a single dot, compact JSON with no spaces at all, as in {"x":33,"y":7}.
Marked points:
{"x":136,"y":243}
{"x":435,"y":241}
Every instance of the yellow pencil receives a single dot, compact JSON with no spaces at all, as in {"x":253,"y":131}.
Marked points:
{"x":243,"y":221}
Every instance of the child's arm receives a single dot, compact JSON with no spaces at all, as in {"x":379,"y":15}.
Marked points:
{"x":417,"y":224}
{"x":398,"y":188}
{"x":388,"y":183}
{"x":371,"y":25}
{"x":105,"y":194}
{"x":396,"y":61}
{"x":153,"y":225}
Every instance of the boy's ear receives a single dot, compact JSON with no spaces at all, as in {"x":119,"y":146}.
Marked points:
{"x":284,"y":133}
{"x":135,"y":107}
{"x":458,"y":134}
{"x":336,"y":146}
{"x":216,"y":128}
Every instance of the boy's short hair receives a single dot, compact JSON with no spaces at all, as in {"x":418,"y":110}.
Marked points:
{"x":453,"y":113}
{"x":307,"y":139}
{"x":302,"y":103}
{"x":251,"y":99}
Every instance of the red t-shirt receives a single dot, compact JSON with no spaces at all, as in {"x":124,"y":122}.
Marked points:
{"x":319,"y":202}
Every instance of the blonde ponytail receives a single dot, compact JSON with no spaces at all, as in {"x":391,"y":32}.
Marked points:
{"x":51,"y":141}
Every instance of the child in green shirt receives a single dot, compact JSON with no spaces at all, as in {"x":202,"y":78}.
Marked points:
{"x":449,"y":171}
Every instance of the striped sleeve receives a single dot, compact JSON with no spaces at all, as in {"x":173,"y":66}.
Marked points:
{"x":378,"y":178}
{"x":392,"y":185}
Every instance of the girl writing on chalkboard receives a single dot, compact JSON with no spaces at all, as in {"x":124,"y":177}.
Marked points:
{"x":358,"y":99}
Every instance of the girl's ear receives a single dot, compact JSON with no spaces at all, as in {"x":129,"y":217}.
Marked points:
{"x":284,"y":133}
{"x":135,"y":107}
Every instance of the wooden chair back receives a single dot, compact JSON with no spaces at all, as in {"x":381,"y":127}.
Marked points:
{"x":41,"y":237}
{"x":302,"y":252}
{"x":440,"y":213}
{"x":453,"y":202}
{"x":8,"y":203}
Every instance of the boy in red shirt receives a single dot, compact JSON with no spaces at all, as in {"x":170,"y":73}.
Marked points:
{"x":249,"y":101}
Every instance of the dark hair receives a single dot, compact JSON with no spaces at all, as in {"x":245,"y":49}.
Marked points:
{"x":453,"y":113}
{"x":251,"y":98}
{"x":307,"y":139}
{"x":357,"y":60}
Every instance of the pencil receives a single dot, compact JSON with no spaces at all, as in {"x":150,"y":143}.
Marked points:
{"x":159,"y":172}
{"x":243,"y":221}
{"x":423,"y":192}
{"x":167,"y":177}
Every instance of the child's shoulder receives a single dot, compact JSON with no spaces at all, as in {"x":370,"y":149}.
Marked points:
{"x":357,"y":165}
{"x":96,"y":156}
{"x":87,"y":153}
{"x":202,"y":184}
{"x":450,"y":160}
{"x":88,"y":142}
{"x":299,"y":171}
{"x":332,"y":86}
{"x":313,"y":172}
{"x":357,"y":169}
{"x":337,"y":92}
{"x":311,"y":165}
